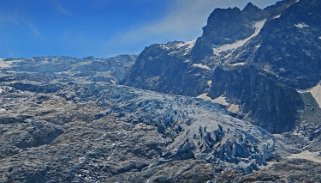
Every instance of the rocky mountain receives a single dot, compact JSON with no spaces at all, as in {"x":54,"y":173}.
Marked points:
{"x":275,"y":45}
{"x":276,"y":111}
{"x":167,"y":68}
{"x":241,"y":103}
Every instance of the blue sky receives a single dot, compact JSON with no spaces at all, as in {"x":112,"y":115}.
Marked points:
{"x":101,"y":28}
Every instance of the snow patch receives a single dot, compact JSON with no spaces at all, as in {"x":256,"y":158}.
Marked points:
{"x":221,"y":100}
{"x":277,"y":16}
{"x":164,"y":47}
{"x":233,"y":46}
{"x":2,"y":110}
{"x":209,"y":83}
{"x":182,"y":47}
{"x":234,"y":108}
{"x":202,"y":66}
{"x":316,"y":93}
{"x":188,"y":44}
{"x":307,"y":155}
{"x":297,"y":133}
{"x":113,"y":81}
{"x":301,"y":25}
{"x":205,"y":96}
{"x":4,"y":64}
{"x":302,"y":91}
{"x":238,"y":64}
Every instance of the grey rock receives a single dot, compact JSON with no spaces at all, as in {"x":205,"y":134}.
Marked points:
{"x":273,"y":105}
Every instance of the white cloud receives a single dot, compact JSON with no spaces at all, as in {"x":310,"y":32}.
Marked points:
{"x":185,"y":19}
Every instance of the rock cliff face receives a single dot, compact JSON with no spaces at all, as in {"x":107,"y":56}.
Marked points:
{"x":165,"y":68}
{"x":290,"y":44}
{"x":227,"y":26}
{"x":273,"y":105}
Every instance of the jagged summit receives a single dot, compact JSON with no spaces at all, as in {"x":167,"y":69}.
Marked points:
{"x":250,"y":7}
{"x":252,"y":12}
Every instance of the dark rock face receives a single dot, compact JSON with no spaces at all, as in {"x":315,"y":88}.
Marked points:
{"x":290,"y":44}
{"x":225,"y":26}
{"x":37,"y":134}
{"x":158,"y":68}
{"x":273,"y":105}
{"x":253,"y":13}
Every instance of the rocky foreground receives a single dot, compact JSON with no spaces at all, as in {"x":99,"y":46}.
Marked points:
{"x":69,"y":128}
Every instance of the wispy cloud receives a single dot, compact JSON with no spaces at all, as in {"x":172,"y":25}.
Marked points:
{"x":15,"y":19}
{"x":183,"y":21}
{"x":31,"y":27}
{"x":60,"y":8}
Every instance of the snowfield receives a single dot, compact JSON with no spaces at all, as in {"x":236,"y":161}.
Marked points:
{"x":301,"y":25}
{"x":202,"y":66}
{"x":233,"y":46}
{"x":307,"y":155}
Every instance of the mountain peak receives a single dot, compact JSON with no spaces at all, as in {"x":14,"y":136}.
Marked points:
{"x":251,"y":7}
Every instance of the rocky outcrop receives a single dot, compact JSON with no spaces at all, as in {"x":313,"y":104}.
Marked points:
{"x":161,"y":68}
{"x":35,"y":87}
{"x":272,"y":105}
{"x":253,"y":13}
{"x":36,"y":134}
{"x":226,"y":26}
{"x":288,"y":44}
{"x":284,"y":171}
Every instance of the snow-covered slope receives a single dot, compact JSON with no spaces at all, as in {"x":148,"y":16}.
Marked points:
{"x":233,"y":46}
